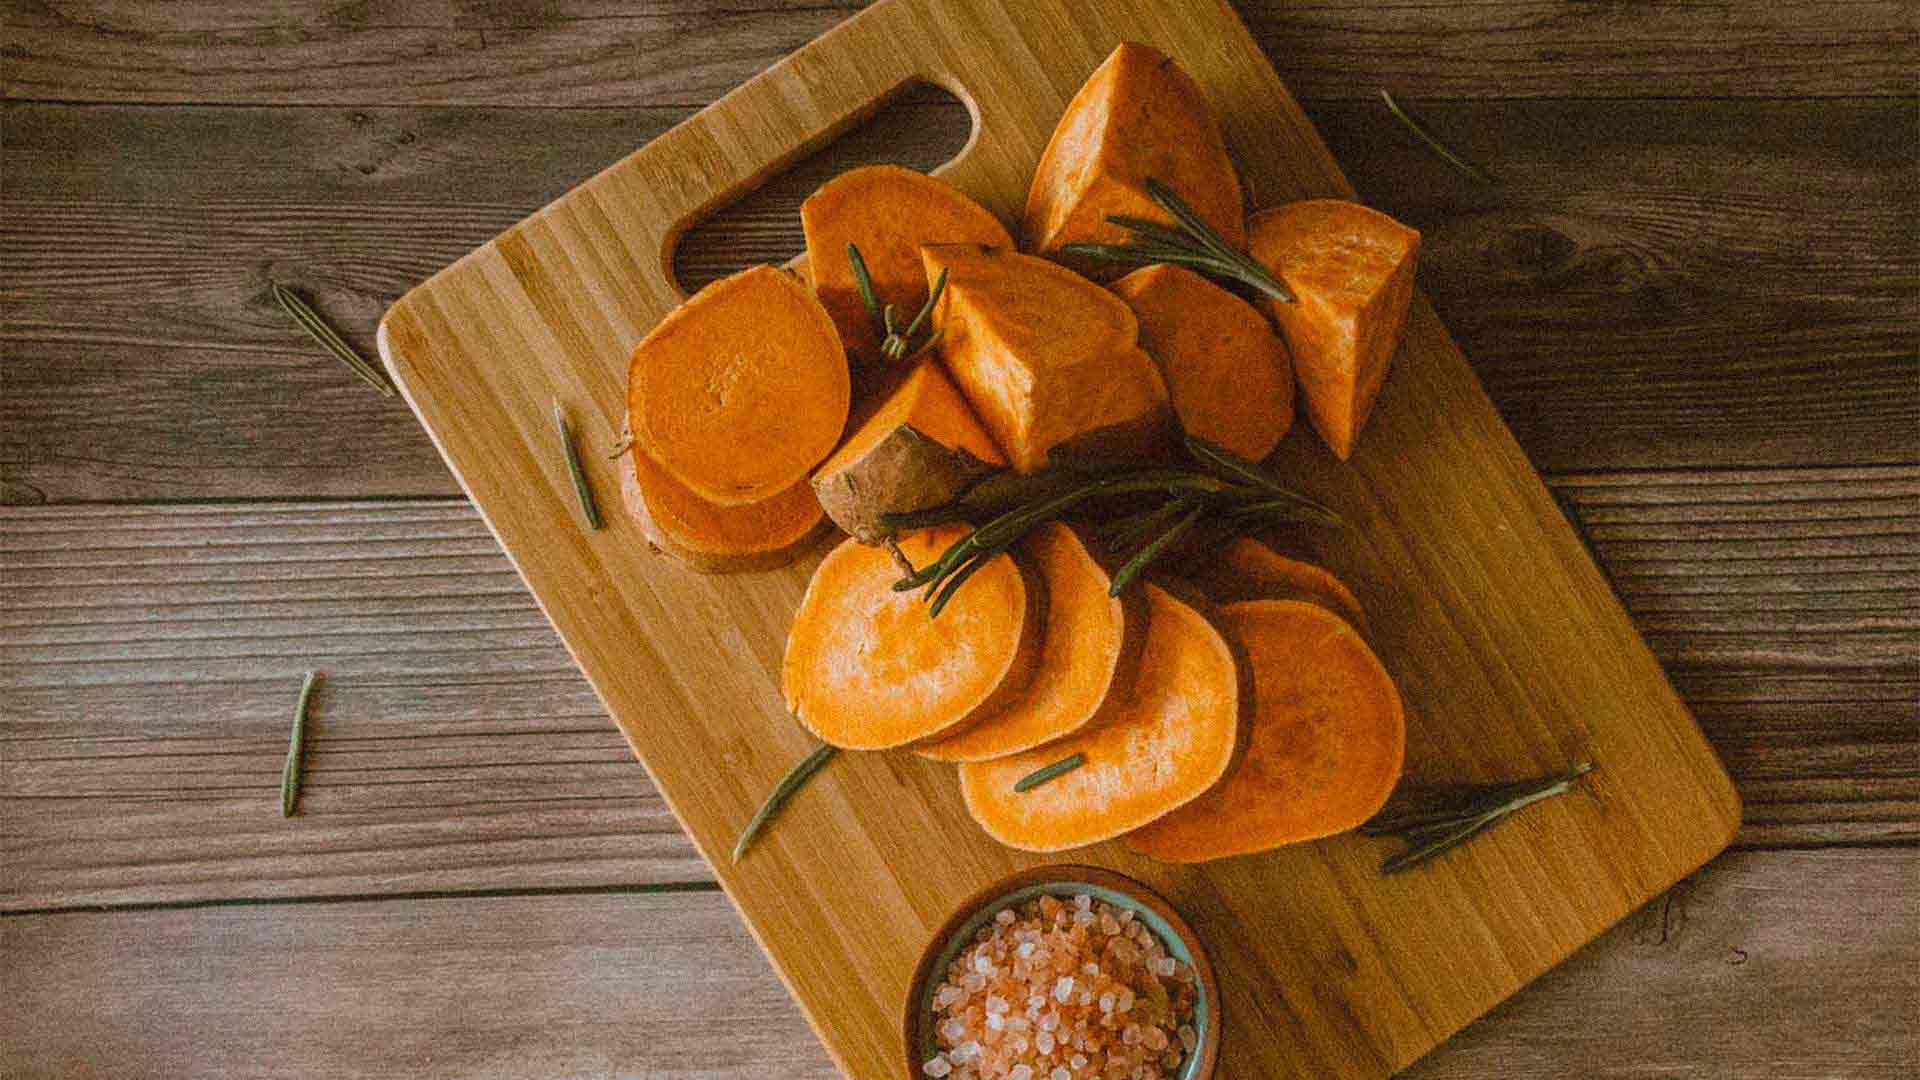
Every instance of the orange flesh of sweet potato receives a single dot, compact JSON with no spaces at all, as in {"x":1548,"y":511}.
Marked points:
{"x":1250,"y":570}
{"x":1138,"y":116}
{"x":1173,"y":737}
{"x":1228,"y":374}
{"x":741,"y":390}
{"x":716,"y":539}
{"x":888,"y":212}
{"x":1325,"y":747}
{"x":1351,"y":269}
{"x":868,"y":669}
{"x":1090,"y":645}
{"x":1048,"y":359}
{"x":920,"y":446}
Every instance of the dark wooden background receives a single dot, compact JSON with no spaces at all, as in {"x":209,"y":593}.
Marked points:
{"x":1694,"y":296}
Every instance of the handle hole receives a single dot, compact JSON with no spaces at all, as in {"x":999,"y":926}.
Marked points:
{"x":922,"y":127}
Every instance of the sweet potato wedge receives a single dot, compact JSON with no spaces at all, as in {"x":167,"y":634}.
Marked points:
{"x":1351,"y":269}
{"x":1090,"y":647}
{"x":1174,"y":736}
{"x":867,"y":668}
{"x":1325,"y":747}
{"x":1049,"y":360}
{"x":888,"y":212}
{"x":1228,"y":374}
{"x":919,"y":446}
{"x":716,"y":539}
{"x":742,"y":390}
{"x":1250,"y":570}
{"x":1138,"y":116}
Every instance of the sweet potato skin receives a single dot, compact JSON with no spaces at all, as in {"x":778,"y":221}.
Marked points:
{"x":1228,"y":375}
{"x":1326,"y":743}
{"x":1090,"y":652}
{"x":742,"y":390}
{"x":888,"y":212}
{"x":716,"y":539}
{"x":1137,"y":116}
{"x":1048,"y":360}
{"x":867,"y":668}
{"x":918,"y":446}
{"x":1176,"y":735}
{"x":1247,"y":569}
{"x":1351,"y":270}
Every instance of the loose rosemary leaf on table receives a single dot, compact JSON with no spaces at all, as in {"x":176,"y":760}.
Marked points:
{"x":782,"y":792}
{"x":1431,"y":833}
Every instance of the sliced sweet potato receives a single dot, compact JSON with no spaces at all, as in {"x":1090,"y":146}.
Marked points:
{"x":1250,"y":570}
{"x":742,"y":390}
{"x":1090,"y":646}
{"x":1049,"y":360}
{"x":1173,"y":736}
{"x":888,"y":212}
{"x":919,"y":446}
{"x":716,"y":539}
{"x":868,"y":669}
{"x":1228,"y":374}
{"x":1138,"y":116}
{"x":1325,"y":747}
{"x":1351,"y":269}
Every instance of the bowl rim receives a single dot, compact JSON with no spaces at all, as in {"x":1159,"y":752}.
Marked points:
{"x":1206,"y":1053}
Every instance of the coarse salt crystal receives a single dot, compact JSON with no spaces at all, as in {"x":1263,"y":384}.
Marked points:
{"x":954,"y":1029}
{"x":1005,"y":917}
{"x":1165,"y":965}
{"x":1083,"y":917}
{"x":1060,"y":1073}
{"x":983,"y":964}
{"x":995,"y":1022}
{"x":1063,"y":989}
{"x":1083,"y":901}
{"x":1043,"y":1042}
{"x":1123,"y":1001}
{"x":937,"y":1066}
{"x":1020,"y":1072}
{"x":1106,"y":1003}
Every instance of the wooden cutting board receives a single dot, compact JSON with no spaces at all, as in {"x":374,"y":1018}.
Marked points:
{"x":1513,"y":655}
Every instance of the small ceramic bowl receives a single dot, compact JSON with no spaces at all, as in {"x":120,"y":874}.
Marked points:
{"x":1105,"y":886}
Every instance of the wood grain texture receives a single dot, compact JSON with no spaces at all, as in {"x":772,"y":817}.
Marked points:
{"x":1758,"y":968}
{"x":1617,"y":316}
{"x":1499,"y":679}
{"x":149,"y":657}
{"x":615,"y":53}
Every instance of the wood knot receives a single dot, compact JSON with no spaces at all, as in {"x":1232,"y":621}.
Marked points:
{"x":1529,"y":250}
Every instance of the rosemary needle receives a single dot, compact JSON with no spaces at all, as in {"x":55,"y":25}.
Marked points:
{"x":587,"y":506}
{"x":1429,"y":835}
{"x":290,"y":772}
{"x":788,"y":786}
{"x":1434,"y":144}
{"x":1049,"y":772}
{"x":309,"y":320}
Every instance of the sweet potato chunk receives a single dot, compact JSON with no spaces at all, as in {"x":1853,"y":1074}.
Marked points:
{"x":1228,"y":374}
{"x":920,"y":446}
{"x":742,"y":390}
{"x":1173,"y":737}
{"x":1138,"y":116}
{"x":1325,"y":746}
{"x":1352,"y":270}
{"x":1048,"y":359}
{"x":716,"y":539}
{"x":1089,"y":647}
{"x":867,"y":668}
{"x":888,"y":212}
{"x":1250,"y":570}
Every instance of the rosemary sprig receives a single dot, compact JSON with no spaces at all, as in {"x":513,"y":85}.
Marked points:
{"x":896,"y":344}
{"x":788,"y":786}
{"x":1192,"y":243}
{"x":309,"y":320}
{"x":1049,"y":772}
{"x":1153,"y":549}
{"x":1429,"y":834}
{"x":580,"y":489}
{"x":1233,"y":468}
{"x":1433,"y":143}
{"x":296,"y":747}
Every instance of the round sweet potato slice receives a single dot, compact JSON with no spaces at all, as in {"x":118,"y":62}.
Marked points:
{"x":1172,"y":737}
{"x":1090,"y":646}
{"x":1325,"y":747}
{"x":716,"y":539}
{"x":1250,"y":570}
{"x":742,"y":390}
{"x":867,"y":668}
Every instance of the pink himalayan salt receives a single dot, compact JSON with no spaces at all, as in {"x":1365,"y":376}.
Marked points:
{"x":1102,"y":999}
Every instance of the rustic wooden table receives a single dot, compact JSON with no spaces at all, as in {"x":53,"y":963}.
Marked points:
{"x":1693,"y":294}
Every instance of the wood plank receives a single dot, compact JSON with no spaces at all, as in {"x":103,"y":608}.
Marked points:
{"x":614,"y":53}
{"x":1762,"y":967}
{"x":1617,"y":317}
